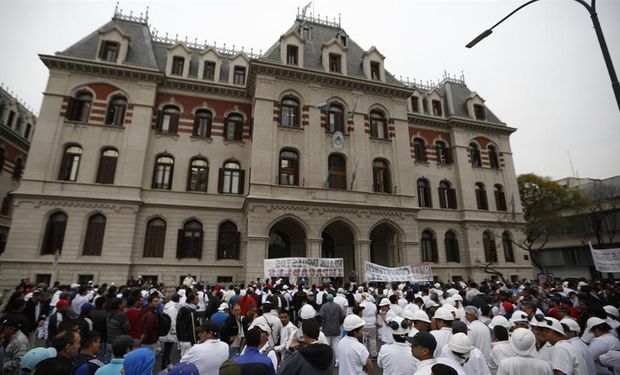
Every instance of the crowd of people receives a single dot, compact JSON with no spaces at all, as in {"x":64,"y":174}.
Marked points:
{"x":275,"y":327}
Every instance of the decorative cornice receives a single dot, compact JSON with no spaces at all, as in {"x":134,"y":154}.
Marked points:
{"x":206,"y":87}
{"x":11,"y":136}
{"x":460,"y":123}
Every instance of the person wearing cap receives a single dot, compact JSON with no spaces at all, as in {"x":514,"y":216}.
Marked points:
{"x":306,"y":312}
{"x":564,"y":358}
{"x":369,"y":314}
{"x":351,"y":354}
{"x":523,"y":342}
{"x":572,"y":331}
{"x":461,"y":353}
{"x":418,"y":321}
{"x":209,"y":353}
{"x":423,"y":345}
{"x":501,"y":346}
{"x":32,"y":358}
{"x":543,"y":347}
{"x":122,"y":345}
{"x":612,"y":318}
{"x":271,"y":321}
{"x":519,"y":320}
{"x":62,"y":313}
{"x":395,"y":358}
{"x":602,"y":342}
{"x":383,"y":319}
{"x":139,"y":362}
{"x":15,"y":344}
{"x":332,"y":316}
{"x":479,"y":333}
{"x":312,"y":357}
{"x":264,"y":347}
{"x":441,"y":327}
{"x":251,"y":361}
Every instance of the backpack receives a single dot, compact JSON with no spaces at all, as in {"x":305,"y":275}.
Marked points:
{"x":163,"y":324}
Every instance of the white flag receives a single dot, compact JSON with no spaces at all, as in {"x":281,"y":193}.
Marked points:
{"x":305,"y":9}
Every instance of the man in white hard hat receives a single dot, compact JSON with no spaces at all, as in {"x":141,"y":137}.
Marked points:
{"x":305,"y":313}
{"x":383,"y":319}
{"x":501,"y":346}
{"x":602,"y":342}
{"x":423,"y":345}
{"x":543,"y":347}
{"x":441,"y":326}
{"x":519,"y":320}
{"x":523,"y":343}
{"x":460,"y":350}
{"x":612,"y":318}
{"x":572,"y":331}
{"x":418,"y":321}
{"x":564,"y":358}
{"x":353,"y":357}
{"x":271,"y":320}
{"x":369,"y":314}
{"x":479,"y":333}
{"x":395,"y":358}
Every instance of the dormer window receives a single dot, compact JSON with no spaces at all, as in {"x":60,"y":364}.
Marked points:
{"x":109,"y":51}
{"x":436,"y":107}
{"x":415,"y":106}
{"x":239,"y":77}
{"x":291,"y":54}
{"x":209,"y":71}
{"x":335,"y":63}
{"x":305,"y":33}
{"x":343,"y":40}
{"x":375,"y":70}
{"x":479,"y":112}
{"x":177,"y":65}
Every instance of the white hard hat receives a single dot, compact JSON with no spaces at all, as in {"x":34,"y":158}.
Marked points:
{"x":449,"y":307}
{"x":430,"y":303}
{"x":417,"y":315}
{"x":457,"y":297}
{"x":384,"y":302}
{"x":352,"y":322}
{"x":611,"y":310}
{"x":518,"y":316}
{"x":223,"y":306}
{"x":571,"y":324}
{"x":522,"y":341}
{"x":443,"y":314}
{"x":552,"y":324}
{"x":398,"y":326}
{"x":499,"y":321}
{"x":593,"y":322}
{"x":460,"y":343}
{"x":450,"y":301}
{"x":307,"y":312}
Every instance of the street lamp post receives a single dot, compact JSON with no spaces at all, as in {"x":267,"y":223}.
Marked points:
{"x":591,"y":8}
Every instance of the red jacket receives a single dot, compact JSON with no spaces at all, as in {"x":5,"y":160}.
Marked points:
{"x":148,"y":325}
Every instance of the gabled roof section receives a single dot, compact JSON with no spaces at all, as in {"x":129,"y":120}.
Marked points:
{"x":373,"y":49}
{"x":456,"y":97}
{"x":292,"y":32}
{"x":475,"y":95}
{"x":210,"y":49}
{"x":114,"y":28}
{"x":334,"y":41}
{"x":181,"y":44}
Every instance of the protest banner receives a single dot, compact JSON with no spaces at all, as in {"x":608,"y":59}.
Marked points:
{"x":414,"y":273}
{"x":304,"y":267}
{"x":606,"y":260}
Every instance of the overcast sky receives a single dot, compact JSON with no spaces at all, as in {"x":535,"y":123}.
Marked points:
{"x":541,"y":71}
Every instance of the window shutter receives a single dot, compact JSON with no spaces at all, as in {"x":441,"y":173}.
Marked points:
{"x":448,"y":152}
{"x":206,"y":180}
{"x":174,"y":123}
{"x":69,"y":114}
{"x":239,"y":131}
{"x":64,"y":164}
{"x":58,"y":236}
{"x":442,"y":198}
{"x":241,"y":181}
{"x":209,"y":124}
{"x":434,"y":250}
{"x":220,"y":181}
{"x":180,"y":243}
{"x":160,"y":119}
{"x":498,"y":203}
{"x":200,"y":241}
{"x":452,"y":198}
{"x":237,"y":245}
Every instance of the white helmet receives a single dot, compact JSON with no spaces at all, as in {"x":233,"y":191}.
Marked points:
{"x":460,"y":343}
{"x":522,"y":341}
{"x":611,"y":310}
{"x":384,"y":302}
{"x":571,"y":324}
{"x":399,"y":326}
{"x":417,"y":315}
{"x":352,"y":322}
{"x":499,"y":321}
{"x":307,"y":312}
{"x":518,"y":316}
{"x":443,"y":314}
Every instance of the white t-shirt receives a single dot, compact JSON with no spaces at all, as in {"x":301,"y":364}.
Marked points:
{"x":275,"y":325}
{"x":396,"y":359}
{"x":480,"y":337}
{"x":585,"y":352}
{"x":271,"y":355}
{"x":500,"y":351}
{"x":544,"y":354}
{"x":524,"y":366}
{"x":565,"y":358}
{"x":441,"y":336}
{"x":207,"y":356}
{"x":601,"y":345}
{"x":352,"y":356}
{"x":369,"y":314}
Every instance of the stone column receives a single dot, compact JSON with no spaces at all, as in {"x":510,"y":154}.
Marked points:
{"x":409,"y":251}
{"x":362,"y":255}
{"x":256,"y":252}
{"x":313,"y":250}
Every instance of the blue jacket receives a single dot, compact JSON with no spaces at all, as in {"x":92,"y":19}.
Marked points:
{"x":252,"y":362}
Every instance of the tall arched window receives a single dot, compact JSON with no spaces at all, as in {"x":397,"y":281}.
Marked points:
{"x":202,"y":123}
{"x":509,"y":254}
{"x":500,"y":198}
{"x":280,"y":245}
{"x":335,"y":118}
{"x":447,"y":195}
{"x":337,"y":169}
{"x":232,"y":178}
{"x":428,"y":244}
{"x":228,"y":241}
{"x":289,"y":168}
{"x":115,"y":114}
{"x":424,"y":193}
{"x":378,"y":125}
{"x":493,"y":156}
{"x":481,"y":197}
{"x":54,"y":233}
{"x":381,"y":177}
{"x":289,"y":112}
{"x":490,"y":249}
{"x":452,"y":247}
{"x":198,"y":175}
{"x":107,"y":166}
{"x":155,"y":238}
{"x":162,"y":174}
{"x":168,"y":119}
{"x":18,"y":168}
{"x":419,"y":149}
{"x":233,"y":128}
{"x":70,"y":163}
{"x":79,"y":107}
{"x":95,"y":231}
{"x":474,"y":152}
{"x":444,"y":156}
{"x":189,"y":241}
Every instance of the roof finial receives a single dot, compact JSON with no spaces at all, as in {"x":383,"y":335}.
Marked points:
{"x":146,"y":17}
{"x":116,"y":8}
{"x":338,"y":19}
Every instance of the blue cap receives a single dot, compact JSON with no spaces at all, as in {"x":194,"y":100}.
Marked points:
{"x":182,"y":368}
{"x":36,"y":355}
{"x":87,"y":307}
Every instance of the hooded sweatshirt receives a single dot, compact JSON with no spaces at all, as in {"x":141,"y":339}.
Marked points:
{"x":315,"y":358}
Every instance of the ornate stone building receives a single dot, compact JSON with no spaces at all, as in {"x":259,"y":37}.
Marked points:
{"x":161,"y":158}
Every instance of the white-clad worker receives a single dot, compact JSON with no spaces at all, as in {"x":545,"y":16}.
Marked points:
{"x":565,"y":359}
{"x":501,"y":346}
{"x":383,"y":319}
{"x":572,"y":331}
{"x":396,"y":358}
{"x":441,"y":326}
{"x":418,"y":321}
{"x":523,"y":343}
{"x":353,"y":357}
{"x":602,"y":342}
{"x":461,"y":350}
{"x":479,"y":333}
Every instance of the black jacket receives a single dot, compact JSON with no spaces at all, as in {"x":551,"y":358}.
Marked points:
{"x":229,"y":329}
{"x":186,"y":331}
{"x":310,"y":359}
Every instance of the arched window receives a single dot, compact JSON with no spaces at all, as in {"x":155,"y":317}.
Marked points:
{"x":189,"y":242}
{"x":289,"y":168}
{"x":447,"y":195}
{"x":474,"y":153}
{"x":444,"y":156}
{"x":280,"y":245}
{"x":509,"y":254}
{"x":107,"y":166}
{"x":428,"y":244}
{"x":79,"y":107}
{"x":490,"y":249}
{"x":337,"y":172}
{"x":198,"y":174}
{"x":452,"y":247}
{"x":202,"y":123}
{"x":116,"y":111}
{"x":162,"y":174}
{"x":481,"y":197}
{"x":70,"y":163}
{"x":2,"y":158}
{"x":168,"y":119}
{"x":419,"y":149}
{"x":228,"y":241}
{"x":381,"y":177}
{"x":232,"y":178}
{"x":54,"y":233}
{"x":378,"y":125}
{"x":289,"y":112}
{"x":424,"y":193}
{"x":18,"y":169}
{"x":500,"y":198}
{"x":335,"y":118}
{"x":154,"y":238}
{"x":95,"y":231}
{"x":493,"y":156}
{"x":233,"y":128}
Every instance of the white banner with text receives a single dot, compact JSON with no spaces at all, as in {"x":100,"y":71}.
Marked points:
{"x":304,"y":267}
{"x":414,"y":273}
{"x":606,"y":260}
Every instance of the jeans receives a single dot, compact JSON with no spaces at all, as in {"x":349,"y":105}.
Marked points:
{"x":165,"y":356}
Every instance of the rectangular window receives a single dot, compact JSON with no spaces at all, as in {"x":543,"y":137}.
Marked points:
{"x":305,"y":33}
{"x":209,"y":71}
{"x":177,"y":65}
{"x":45,"y":278}
{"x":375,"y":70}
{"x":291,"y":54}
{"x":479,"y":112}
{"x":9,"y":122}
{"x":84,"y":279}
{"x":109,"y":51}
{"x":334,"y":62}
{"x":239,"y":77}
{"x":425,"y":105}
{"x":415,"y":106}
{"x":224,"y":279}
{"x":343,"y":40}
{"x":436,"y":108}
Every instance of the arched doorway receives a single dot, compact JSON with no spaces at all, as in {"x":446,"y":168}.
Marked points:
{"x":338,"y":242}
{"x":384,"y":248}
{"x":287,"y":238}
